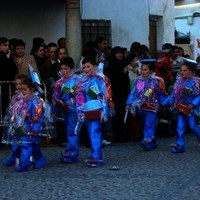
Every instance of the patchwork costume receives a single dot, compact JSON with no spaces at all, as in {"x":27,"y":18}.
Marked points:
{"x":145,"y":99}
{"x":64,"y":94}
{"x":186,"y":91}
{"x":93,"y":107}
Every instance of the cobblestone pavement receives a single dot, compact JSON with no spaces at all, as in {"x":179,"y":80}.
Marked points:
{"x":155,"y":175}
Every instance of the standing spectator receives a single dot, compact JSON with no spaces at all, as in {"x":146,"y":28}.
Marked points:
{"x":145,"y":99}
{"x":163,"y":66}
{"x":62,"y":53}
{"x":120,"y":88}
{"x":144,"y":52}
{"x":185,"y":99}
{"x":47,"y":72}
{"x":21,"y":59}
{"x":134,"y":70}
{"x":176,"y":61}
{"x":101,"y":44}
{"x":38,"y":51}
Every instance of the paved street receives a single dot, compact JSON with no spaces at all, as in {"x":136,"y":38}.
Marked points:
{"x":155,"y":175}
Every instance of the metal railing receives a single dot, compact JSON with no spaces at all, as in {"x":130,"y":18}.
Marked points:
{"x":8,"y":85}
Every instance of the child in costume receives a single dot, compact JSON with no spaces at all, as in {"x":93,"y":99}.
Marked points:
{"x":64,"y":92}
{"x":27,"y":122}
{"x":185,"y":101}
{"x":145,"y":99}
{"x":92,"y":105}
{"x":9,"y":133}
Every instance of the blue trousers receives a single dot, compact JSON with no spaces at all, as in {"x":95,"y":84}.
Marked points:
{"x":149,"y":122}
{"x":182,"y":120}
{"x":95,"y":137}
{"x":72,"y":145}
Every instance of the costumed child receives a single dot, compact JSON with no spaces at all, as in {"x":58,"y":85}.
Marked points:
{"x":27,"y":123}
{"x":185,"y":101}
{"x":63,"y":99}
{"x":145,"y":100}
{"x":8,"y":132}
{"x":92,"y":106}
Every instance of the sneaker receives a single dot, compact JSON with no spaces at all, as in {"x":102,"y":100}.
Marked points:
{"x":177,"y":148}
{"x":148,"y":144}
{"x":39,"y":163}
{"x":21,"y":168}
{"x":105,"y":142}
{"x":68,"y":158}
{"x":92,"y":162}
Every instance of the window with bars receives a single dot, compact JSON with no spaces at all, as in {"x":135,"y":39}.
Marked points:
{"x":93,"y":28}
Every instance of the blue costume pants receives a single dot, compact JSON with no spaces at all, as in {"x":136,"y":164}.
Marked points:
{"x":95,"y":137}
{"x":182,"y":120}
{"x":72,"y":145}
{"x":149,"y":122}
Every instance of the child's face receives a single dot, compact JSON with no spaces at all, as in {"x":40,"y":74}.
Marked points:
{"x":145,"y":71}
{"x":89,"y":69}
{"x":26,"y":90}
{"x":65,"y":70}
{"x":185,"y":72}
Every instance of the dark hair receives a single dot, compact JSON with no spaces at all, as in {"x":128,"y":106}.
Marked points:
{"x":3,"y":40}
{"x":166,"y":46}
{"x":52,"y":44}
{"x":99,"y":39}
{"x":21,"y":77}
{"x":29,"y":83}
{"x":174,"y":47}
{"x":135,"y":47}
{"x":131,"y":56}
{"x":68,"y":61}
{"x":117,"y":49}
{"x":189,"y":63}
{"x":150,"y":62}
{"x":18,"y":42}
{"x":36,"y":47}
{"x":60,"y":40}
{"x":38,"y":41}
{"x":89,"y":59}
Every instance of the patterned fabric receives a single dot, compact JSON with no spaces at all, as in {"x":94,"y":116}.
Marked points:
{"x":150,"y":89}
{"x":187,"y":91}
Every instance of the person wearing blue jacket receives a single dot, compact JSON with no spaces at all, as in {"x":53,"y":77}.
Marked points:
{"x":145,"y":100}
{"x":92,"y":105}
{"x":185,"y":101}
{"x":64,"y":100}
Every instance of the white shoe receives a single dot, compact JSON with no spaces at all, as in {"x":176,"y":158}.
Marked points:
{"x":105,"y":142}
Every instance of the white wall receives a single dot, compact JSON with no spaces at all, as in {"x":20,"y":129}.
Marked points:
{"x":130,"y":19}
{"x":182,"y":26}
{"x":28,"y":19}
